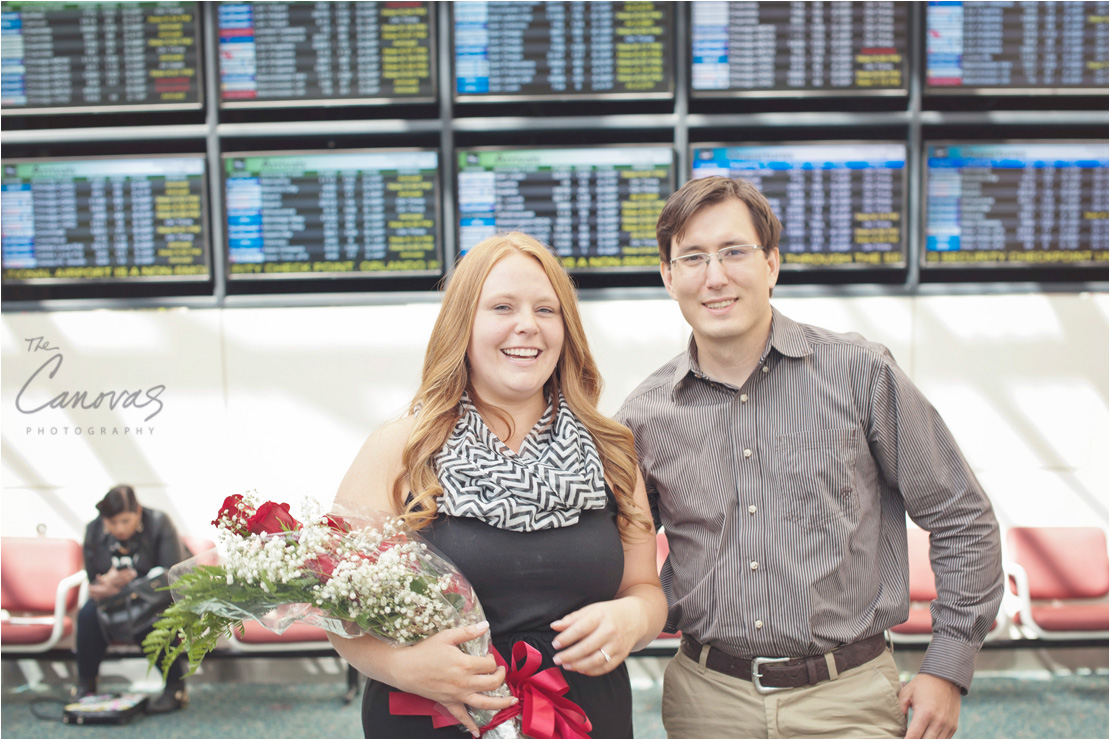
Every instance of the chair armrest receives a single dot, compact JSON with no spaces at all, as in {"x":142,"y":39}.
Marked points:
{"x":1024,"y":605}
{"x":78,"y":580}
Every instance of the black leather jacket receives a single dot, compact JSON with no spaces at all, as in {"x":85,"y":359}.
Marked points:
{"x":157,"y":544}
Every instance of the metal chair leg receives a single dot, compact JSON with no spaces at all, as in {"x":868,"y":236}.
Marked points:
{"x":352,"y":684}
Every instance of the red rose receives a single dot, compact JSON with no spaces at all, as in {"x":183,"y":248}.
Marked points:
{"x":459,"y":585}
{"x":384,"y":546}
{"x":322,"y":566}
{"x":272,"y":518}
{"x":337,"y":523}
{"x":392,"y":541}
{"x":233,"y":515}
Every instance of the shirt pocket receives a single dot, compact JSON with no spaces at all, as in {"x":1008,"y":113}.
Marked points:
{"x":813,"y":476}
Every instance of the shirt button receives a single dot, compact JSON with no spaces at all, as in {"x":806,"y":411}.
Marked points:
{"x":766,"y":369}
{"x":755,"y":565}
{"x":752,"y":509}
{"x":743,"y":398}
{"x":759,"y":624}
{"x":747,"y":453}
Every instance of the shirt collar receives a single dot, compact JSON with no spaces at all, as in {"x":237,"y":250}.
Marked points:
{"x":787,"y":338}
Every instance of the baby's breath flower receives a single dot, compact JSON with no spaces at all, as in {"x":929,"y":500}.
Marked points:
{"x":381,"y":579}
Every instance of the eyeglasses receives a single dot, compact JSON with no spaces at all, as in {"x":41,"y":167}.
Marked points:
{"x":697,"y":262}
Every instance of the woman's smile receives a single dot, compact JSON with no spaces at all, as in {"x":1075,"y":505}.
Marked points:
{"x":517,"y":335}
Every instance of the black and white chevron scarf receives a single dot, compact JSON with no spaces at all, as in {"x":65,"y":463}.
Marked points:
{"x":557,"y":475}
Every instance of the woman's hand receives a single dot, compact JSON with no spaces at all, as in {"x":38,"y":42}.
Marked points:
{"x":597,"y":638}
{"x":438,"y":670}
{"x":119,"y":578}
{"x":111,"y":583}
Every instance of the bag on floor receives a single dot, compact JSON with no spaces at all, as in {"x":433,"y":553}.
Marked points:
{"x":104,"y":709}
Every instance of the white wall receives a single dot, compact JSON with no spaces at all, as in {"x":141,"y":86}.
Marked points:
{"x":281,"y":399}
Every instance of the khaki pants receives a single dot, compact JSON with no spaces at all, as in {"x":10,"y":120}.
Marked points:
{"x":861,"y":702}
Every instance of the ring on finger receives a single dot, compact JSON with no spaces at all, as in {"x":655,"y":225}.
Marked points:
{"x":608,"y":658}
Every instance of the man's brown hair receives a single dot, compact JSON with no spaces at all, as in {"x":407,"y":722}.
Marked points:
{"x":696,"y":194}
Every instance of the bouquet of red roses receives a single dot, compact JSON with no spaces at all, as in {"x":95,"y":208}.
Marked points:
{"x":326,"y":571}
{"x":349,"y":575}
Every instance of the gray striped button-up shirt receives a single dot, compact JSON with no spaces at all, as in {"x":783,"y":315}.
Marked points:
{"x":785,"y":502}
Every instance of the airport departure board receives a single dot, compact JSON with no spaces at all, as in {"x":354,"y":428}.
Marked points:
{"x":332,"y":214}
{"x":559,"y":50}
{"x":1017,"y":47}
{"x":307,"y":53}
{"x":840,"y":204}
{"x":63,"y":57}
{"x":595,"y":207}
{"x":123,"y":219}
{"x":780,"y":48}
{"x":1012,"y":204}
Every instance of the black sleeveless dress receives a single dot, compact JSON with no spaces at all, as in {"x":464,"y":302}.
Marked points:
{"x":525,"y":581}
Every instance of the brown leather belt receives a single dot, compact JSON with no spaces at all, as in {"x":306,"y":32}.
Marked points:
{"x":773,"y":674}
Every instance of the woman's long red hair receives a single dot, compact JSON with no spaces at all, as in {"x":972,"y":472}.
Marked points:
{"x":446,"y":375}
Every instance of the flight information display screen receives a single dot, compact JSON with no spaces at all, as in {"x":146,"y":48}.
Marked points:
{"x":65,"y":57}
{"x":306,"y":53}
{"x":1017,"y":47}
{"x":777,"y":48}
{"x":595,"y":207}
{"x":558,"y":50}
{"x":840,"y":204}
{"x":104,"y":219}
{"x":330,"y":214}
{"x":1037,"y":204}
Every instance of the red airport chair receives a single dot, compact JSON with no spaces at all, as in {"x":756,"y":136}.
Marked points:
{"x":196,"y":545}
{"x":1062,"y":581}
{"x":923,"y":589}
{"x":918,"y":627}
{"x":43,"y":580}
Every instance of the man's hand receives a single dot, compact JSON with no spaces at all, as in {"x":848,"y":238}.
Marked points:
{"x":936,"y":706}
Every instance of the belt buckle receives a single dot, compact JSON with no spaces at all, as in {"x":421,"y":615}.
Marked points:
{"x":756,"y":675}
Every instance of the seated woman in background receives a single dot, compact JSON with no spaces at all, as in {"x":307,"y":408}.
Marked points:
{"x":125,"y":542}
{"x":506,"y":465}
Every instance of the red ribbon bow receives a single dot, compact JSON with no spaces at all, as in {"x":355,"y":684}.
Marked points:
{"x":544,"y":711}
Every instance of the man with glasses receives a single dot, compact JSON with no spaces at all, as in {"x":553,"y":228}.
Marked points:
{"x":782,"y":459}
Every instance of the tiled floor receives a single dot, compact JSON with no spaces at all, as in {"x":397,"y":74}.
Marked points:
{"x":1017,"y":693}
